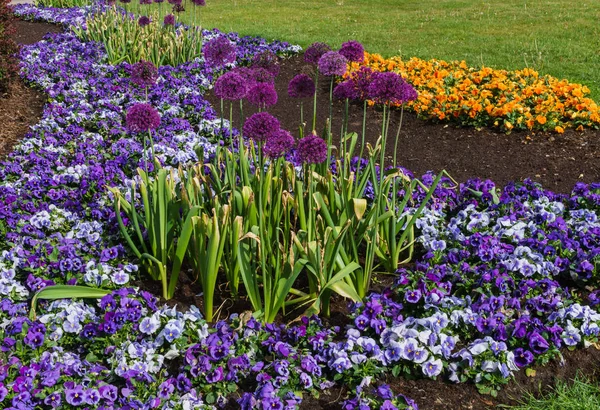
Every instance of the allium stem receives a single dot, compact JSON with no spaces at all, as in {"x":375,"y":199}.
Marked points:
{"x":314,"y":125}
{"x":398,"y":135}
{"x":302,"y":118}
{"x":151,"y":145}
{"x":222,"y":111}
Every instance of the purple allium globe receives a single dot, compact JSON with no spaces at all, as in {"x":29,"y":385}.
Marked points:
{"x":142,"y":117}
{"x":386,"y":88}
{"x":278,"y":144}
{"x":262,"y":95}
{"x":409,"y":93}
{"x":353,"y":51}
{"x":143,"y":21}
{"x":159,"y":1}
{"x":174,"y":2}
{"x":362,"y":80}
{"x":301,"y":86}
{"x":125,"y":1}
{"x":169,"y":20}
{"x":260,"y":126}
{"x":144,"y":74}
{"x":332,"y":63}
{"x":258,"y":75}
{"x":345,"y":90}
{"x":314,"y":52}
{"x":312,"y":150}
{"x":219,"y":52}
{"x":145,"y":2}
{"x":267,"y":60}
{"x":231,"y":86}
{"x":199,"y":2}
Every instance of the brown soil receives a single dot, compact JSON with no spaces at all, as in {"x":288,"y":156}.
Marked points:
{"x":30,"y":32}
{"x":557,"y":161}
{"x":21,"y":106}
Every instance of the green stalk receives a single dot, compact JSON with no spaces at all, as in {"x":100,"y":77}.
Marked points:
{"x":314,"y":125}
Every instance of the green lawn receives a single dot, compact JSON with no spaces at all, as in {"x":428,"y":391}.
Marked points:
{"x":558,"y":37}
{"x":578,"y":395}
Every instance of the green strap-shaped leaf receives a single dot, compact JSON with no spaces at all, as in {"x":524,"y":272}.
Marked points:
{"x":66,"y":292}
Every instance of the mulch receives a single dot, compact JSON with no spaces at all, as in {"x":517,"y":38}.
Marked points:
{"x":557,"y":161}
{"x":22,"y":106}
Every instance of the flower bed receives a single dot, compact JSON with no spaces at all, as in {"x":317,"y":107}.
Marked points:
{"x":508,"y":100}
{"x":485,"y":299}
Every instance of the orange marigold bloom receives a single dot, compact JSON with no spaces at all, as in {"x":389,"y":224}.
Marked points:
{"x":541,"y":119}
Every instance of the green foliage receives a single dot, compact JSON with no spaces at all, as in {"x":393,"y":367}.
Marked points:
{"x":167,"y":233}
{"x":578,"y":394}
{"x":65,"y":292}
{"x":63,"y":4}
{"x":126,"y":40}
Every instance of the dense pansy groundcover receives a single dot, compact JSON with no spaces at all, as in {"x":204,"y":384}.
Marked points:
{"x":484,"y":300}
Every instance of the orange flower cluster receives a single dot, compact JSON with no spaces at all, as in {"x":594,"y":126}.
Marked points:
{"x":509,"y":100}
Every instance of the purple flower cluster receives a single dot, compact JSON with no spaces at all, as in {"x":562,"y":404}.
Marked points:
{"x":315,"y":51}
{"x":219,"y":52}
{"x":231,"y":86}
{"x":301,"y":86}
{"x":142,"y":117}
{"x":260,"y":126}
{"x":332,"y":63}
{"x":353,"y":51}
{"x":144,"y":74}
{"x":390,"y":88}
{"x":262,"y":95}
{"x":312,"y":150}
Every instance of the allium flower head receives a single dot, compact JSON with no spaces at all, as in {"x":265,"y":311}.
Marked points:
{"x":262,"y":95}
{"x":159,"y":1}
{"x":301,"y":86}
{"x":145,"y":2}
{"x":260,"y":75}
{"x":125,"y":1}
{"x":278,"y":144}
{"x":345,"y":90}
{"x":314,"y":52}
{"x":312,"y":150}
{"x":143,"y":21}
{"x":267,"y":60}
{"x":353,"y":51}
{"x":144,"y":73}
{"x":260,"y":126}
{"x":231,"y":86}
{"x":332,"y":63}
{"x":169,"y":20}
{"x":199,"y":2}
{"x":387,"y":88}
{"x":362,"y":80}
{"x":219,"y":52}
{"x":142,"y":117}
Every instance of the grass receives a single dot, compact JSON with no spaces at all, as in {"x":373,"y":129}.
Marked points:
{"x":557,"y":37}
{"x":580,"y":394}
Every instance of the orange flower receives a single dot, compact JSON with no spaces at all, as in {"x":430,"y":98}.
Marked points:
{"x":559,"y":129}
{"x":541,"y":119}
